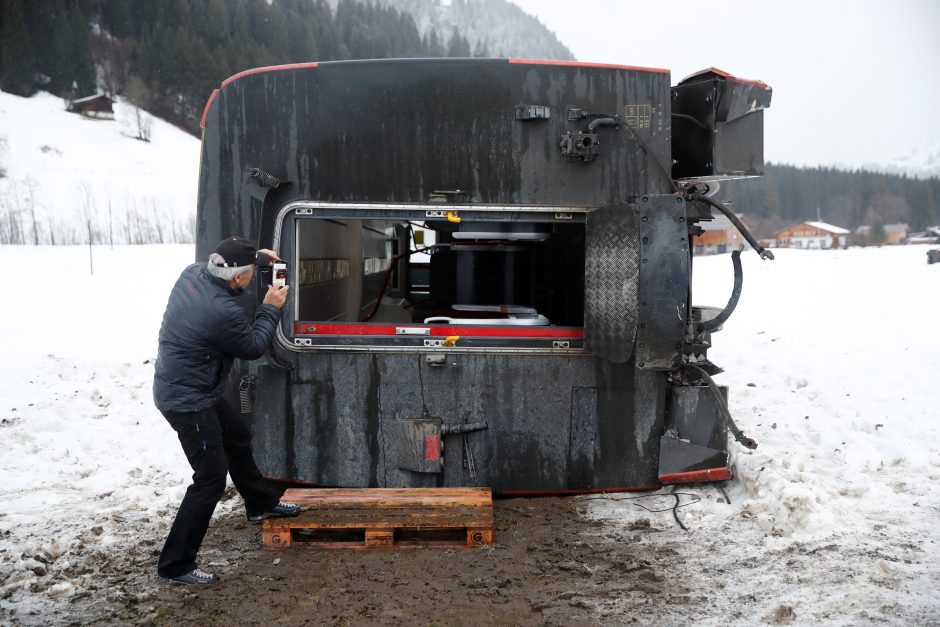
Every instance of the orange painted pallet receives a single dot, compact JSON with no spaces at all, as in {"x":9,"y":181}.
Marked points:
{"x":365,"y":518}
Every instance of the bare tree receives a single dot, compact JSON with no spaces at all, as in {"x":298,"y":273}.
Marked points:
{"x":4,"y":148}
{"x":138,"y":96}
{"x":88,"y":211}
{"x":30,"y":192}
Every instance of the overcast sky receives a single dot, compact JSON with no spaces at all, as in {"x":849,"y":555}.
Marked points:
{"x":854,"y":82}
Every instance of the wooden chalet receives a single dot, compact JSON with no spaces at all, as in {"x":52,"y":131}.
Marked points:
{"x":815,"y":235}
{"x":97,"y":106}
{"x":719,"y":236}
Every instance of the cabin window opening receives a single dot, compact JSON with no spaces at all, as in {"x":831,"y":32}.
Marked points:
{"x":401,"y":282}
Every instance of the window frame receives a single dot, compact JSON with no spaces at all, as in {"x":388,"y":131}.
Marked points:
{"x":310,"y":336}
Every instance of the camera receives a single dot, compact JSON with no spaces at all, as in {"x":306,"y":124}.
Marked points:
{"x":279,"y":273}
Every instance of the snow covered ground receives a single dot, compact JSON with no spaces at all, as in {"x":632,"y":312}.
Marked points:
{"x":68,"y":167}
{"x":833,"y":364}
{"x":832,"y":358}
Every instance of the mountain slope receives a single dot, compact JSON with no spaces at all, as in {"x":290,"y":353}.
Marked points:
{"x":498,"y":27}
{"x":67,"y":171}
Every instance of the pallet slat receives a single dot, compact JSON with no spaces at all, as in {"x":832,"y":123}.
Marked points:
{"x":386,"y":517}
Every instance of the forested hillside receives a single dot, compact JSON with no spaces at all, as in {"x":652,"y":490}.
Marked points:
{"x":168,"y":56}
{"x":495,"y":28}
{"x":787,"y":195}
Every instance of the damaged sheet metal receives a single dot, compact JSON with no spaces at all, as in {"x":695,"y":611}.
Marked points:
{"x":664,"y":281}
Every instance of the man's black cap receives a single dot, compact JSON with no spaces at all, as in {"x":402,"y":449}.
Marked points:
{"x":236,"y":251}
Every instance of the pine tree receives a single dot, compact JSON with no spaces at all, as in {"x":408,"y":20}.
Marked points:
{"x":458,"y":46}
{"x":17,"y":63}
{"x":84,"y":79}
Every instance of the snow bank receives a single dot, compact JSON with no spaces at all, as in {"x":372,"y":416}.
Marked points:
{"x":833,"y":363}
{"x":87,"y":461}
{"x":832,"y":359}
{"x":70,"y":160}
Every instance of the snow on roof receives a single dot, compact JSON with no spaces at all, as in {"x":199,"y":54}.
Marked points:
{"x":825,"y":226}
{"x":90,"y":98}
{"x":897,"y":228}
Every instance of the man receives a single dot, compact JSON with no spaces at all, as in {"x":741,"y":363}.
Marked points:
{"x":203,"y":329}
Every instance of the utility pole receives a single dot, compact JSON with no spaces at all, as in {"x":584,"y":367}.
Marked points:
{"x":91,"y":260}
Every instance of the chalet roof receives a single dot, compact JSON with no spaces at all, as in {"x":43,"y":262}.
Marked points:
{"x":825,"y":226}
{"x":90,"y":98}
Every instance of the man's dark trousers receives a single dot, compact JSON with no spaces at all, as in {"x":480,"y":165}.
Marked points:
{"x":216,"y":441}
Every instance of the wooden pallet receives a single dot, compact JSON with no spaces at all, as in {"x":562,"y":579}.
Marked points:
{"x":366,"y":518}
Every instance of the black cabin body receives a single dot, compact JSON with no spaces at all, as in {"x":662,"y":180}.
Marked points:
{"x":490,"y":271}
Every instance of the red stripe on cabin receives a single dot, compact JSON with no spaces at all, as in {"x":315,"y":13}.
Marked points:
{"x":205,"y":111}
{"x":257,"y":70}
{"x":603,"y":66}
{"x":352,"y":328}
{"x":641,"y":488}
{"x":269,"y":68}
{"x":730,"y":77}
{"x":697,"y":476}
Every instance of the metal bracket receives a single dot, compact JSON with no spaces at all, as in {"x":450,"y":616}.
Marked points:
{"x":412,"y":330}
{"x":304,"y":211}
{"x":578,"y":146}
{"x":533,"y":112}
{"x":561,"y":344}
{"x":440,"y":361}
{"x":303,"y":341}
{"x":445,"y":195}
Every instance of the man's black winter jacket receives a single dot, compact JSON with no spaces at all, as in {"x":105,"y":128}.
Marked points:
{"x":203,"y":329}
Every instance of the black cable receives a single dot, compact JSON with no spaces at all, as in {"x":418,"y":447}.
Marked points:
{"x":723,"y":407}
{"x":388,"y":275}
{"x":721,"y":489}
{"x":717,"y":321}
{"x":763,"y":252}
{"x":675,"y":513}
{"x":618,"y":497}
{"x":696,"y":121}
{"x":649,"y":153}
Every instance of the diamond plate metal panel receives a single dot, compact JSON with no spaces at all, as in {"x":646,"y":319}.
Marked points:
{"x":611,"y":282}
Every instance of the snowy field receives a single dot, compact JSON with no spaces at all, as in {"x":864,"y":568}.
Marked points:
{"x":833,"y":359}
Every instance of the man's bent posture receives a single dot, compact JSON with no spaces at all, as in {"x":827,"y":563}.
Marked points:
{"x":203,"y":329}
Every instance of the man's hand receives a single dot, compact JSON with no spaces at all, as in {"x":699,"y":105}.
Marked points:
{"x":276,"y":295}
{"x":270,"y":255}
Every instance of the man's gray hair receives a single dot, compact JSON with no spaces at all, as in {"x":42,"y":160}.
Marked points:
{"x":226,"y":274}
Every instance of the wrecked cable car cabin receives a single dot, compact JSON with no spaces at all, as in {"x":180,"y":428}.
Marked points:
{"x":490,"y":268}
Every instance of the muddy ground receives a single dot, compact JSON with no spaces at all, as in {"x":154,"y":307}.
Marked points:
{"x":549,"y":565}
{"x":555,"y":561}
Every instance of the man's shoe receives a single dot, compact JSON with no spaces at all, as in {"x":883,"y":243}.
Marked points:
{"x":280,"y":510}
{"x":193,"y":577}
